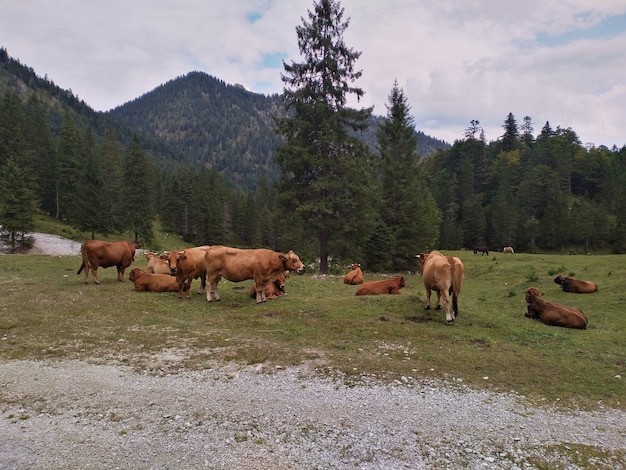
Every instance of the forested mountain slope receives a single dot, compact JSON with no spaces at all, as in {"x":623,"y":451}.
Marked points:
{"x":223,"y":126}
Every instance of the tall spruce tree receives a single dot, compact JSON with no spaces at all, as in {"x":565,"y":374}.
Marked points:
{"x":409,"y":209}
{"x":137,"y":201}
{"x":326,"y":176}
{"x":17,"y":201}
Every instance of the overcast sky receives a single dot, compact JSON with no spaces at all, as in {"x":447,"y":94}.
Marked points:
{"x":562,"y":61}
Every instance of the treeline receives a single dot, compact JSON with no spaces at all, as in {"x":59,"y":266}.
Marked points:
{"x":545,"y":192}
{"x":101,"y":185}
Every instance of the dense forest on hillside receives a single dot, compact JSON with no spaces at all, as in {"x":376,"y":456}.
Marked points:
{"x":223,"y":126}
{"x":200,"y":155}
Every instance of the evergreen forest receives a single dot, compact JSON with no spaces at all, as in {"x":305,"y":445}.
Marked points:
{"x":206,"y":160}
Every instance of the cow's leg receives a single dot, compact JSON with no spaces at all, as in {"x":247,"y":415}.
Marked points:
{"x":446,"y":303}
{"x":202,"y":284}
{"x":86,"y":269}
{"x":94,"y":272}
{"x":427,"y":307}
{"x":211,"y":291}
{"x":120,"y":273}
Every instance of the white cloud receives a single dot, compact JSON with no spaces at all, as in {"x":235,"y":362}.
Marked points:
{"x":556,"y":60}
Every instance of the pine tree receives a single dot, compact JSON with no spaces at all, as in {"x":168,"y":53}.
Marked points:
{"x":409,"y":210}
{"x":68,"y":171}
{"x":326,"y":178}
{"x":17,"y":201}
{"x":137,"y":203}
{"x":94,"y":213}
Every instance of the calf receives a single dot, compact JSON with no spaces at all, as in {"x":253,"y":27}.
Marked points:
{"x":552,"y":313}
{"x":387,"y":286}
{"x":570,"y":284}
{"x":355,"y":276}
{"x":273,"y":290}
{"x":156,"y":265}
{"x":148,"y":282}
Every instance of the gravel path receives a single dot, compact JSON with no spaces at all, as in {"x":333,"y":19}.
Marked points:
{"x":74,"y":414}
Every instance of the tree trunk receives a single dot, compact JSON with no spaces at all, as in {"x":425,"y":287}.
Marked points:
{"x":323,"y":250}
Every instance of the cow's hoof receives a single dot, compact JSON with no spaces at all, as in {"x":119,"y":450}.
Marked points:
{"x":438,"y":307}
{"x":449,"y":322}
{"x":427,"y":307}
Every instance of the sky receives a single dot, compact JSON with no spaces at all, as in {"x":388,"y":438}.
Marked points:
{"x":556,"y":61}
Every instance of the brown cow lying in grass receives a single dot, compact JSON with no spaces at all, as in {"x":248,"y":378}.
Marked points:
{"x":570,"y":284}
{"x":273,"y":290}
{"x":386,"y":286}
{"x":552,"y":313}
{"x":355,"y":276}
{"x":148,"y":282}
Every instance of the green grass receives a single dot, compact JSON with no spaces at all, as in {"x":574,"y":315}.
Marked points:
{"x":46,"y":311}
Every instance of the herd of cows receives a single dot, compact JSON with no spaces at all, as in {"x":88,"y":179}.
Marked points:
{"x":174,"y":271}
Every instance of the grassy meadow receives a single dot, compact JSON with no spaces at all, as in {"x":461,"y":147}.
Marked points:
{"x":46,"y":311}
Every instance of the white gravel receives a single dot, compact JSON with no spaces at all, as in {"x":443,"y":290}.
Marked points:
{"x":81,"y":414}
{"x":75,"y":414}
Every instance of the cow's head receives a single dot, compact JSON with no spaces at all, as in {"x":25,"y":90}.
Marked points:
{"x":559,"y":279}
{"x":279,"y":282}
{"x":292,"y":262}
{"x":533,"y":293}
{"x":133,"y":274}
{"x":172,"y":258}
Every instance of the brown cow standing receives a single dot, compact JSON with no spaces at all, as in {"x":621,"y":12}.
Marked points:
{"x":552,"y":313}
{"x":187,"y":265}
{"x":444,"y":275}
{"x":273,"y":290}
{"x":571,"y":284}
{"x":149,"y":282}
{"x":156,"y":265}
{"x":100,"y":254}
{"x":386,"y":286}
{"x":237,"y":265}
{"x":355,"y":276}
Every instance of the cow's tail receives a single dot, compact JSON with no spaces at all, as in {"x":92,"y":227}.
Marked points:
{"x":457,"y":272}
{"x":82,"y":266}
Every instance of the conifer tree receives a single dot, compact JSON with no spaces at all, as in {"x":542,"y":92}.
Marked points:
{"x":17,"y":201}
{"x":68,"y":171}
{"x":94,"y":213}
{"x":409,"y":209}
{"x":137,"y":201}
{"x":326,"y":178}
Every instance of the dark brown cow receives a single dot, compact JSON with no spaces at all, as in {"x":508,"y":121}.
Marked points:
{"x":149,"y":282}
{"x":444,"y":275}
{"x":386,"y":286}
{"x":483,"y":250}
{"x":187,"y":265}
{"x":571,"y":284}
{"x":552,"y":313}
{"x":237,"y":265}
{"x":355,"y":276}
{"x":273,"y":289}
{"x":156,"y":265}
{"x":100,"y":254}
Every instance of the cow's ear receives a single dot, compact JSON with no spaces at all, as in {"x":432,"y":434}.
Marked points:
{"x":163,"y":257}
{"x":283,"y":257}
{"x":182,"y":257}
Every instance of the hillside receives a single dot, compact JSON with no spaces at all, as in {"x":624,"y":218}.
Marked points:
{"x":222,"y":126}
{"x":195,"y":119}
